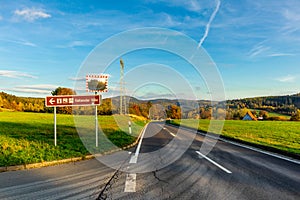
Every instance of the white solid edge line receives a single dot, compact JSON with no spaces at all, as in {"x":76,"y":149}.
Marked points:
{"x":130,"y":183}
{"x":134,"y":157}
{"x":261,"y":151}
{"x":256,"y":149}
{"x":213,"y":162}
{"x":246,"y":147}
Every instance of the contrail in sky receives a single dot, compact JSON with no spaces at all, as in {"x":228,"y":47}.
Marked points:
{"x":209,"y":22}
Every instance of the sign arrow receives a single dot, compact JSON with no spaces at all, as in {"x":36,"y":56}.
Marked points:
{"x":72,"y":100}
{"x":51,"y":101}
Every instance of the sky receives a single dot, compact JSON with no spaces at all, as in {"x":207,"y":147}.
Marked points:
{"x":253,"y":45}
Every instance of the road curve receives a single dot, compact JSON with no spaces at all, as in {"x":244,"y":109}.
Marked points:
{"x":249,"y":175}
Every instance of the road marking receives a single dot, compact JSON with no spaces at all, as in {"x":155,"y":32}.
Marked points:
{"x":134,"y":157}
{"x":172,"y":133}
{"x":130,"y":183}
{"x":262,"y":151}
{"x":213,"y":162}
{"x":245,"y":146}
{"x":255,"y":149}
{"x":164,"y":128}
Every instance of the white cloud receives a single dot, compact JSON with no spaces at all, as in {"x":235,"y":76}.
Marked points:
{"x":76,"y":43}
{"x":34,"y":89}
{"x":191,"y":5}
{"x":169,"y":21}
{"x":31,"y":14}
{"x":1,"y":17}
{"x":286,"y":79}
{"x":262,"y":50}
{"x":39,"y":87}
{"x":15,"y":74}
{"x":258,"y":50}
{"x":20,"y":42}
{"x":77,"y":79}
{"x":280,"y":54}
{"x":31,"y":91}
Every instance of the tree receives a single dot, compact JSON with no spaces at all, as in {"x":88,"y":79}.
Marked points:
{"x":254,"y":113}
{"x":1,"y":102}
{"x":20,"y":106}
{"x":156,"y":112}
{"x":205,"y":113}
{"x":63,"y":91}
{"x":14,"y":105}
{"x":296,"y":116}
{"x":264,"y":114}
{"x":174,"y":112}
{"x":243,"y":112}
{"x":105,"y":108}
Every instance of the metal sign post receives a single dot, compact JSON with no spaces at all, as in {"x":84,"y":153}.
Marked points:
{"x":96,"y":125}
{"x":96,"y":83}
{"x":73,"y":100}
{"x":55,"y":134}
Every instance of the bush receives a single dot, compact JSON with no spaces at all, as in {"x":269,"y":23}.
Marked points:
{"x":296,"y":116}
{"x":277,"y":118}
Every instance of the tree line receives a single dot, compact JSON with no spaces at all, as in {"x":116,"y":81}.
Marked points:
{"x":26,"y":104}
{"x":231,"y":109}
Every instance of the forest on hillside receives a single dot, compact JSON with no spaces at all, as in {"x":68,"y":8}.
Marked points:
{"x":280,"y":104}
{"x":175,"y":109}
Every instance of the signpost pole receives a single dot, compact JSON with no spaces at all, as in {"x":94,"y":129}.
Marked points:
{"x":96,"y":123}
{"x":55,"y":138}
{"x":73,"y":100}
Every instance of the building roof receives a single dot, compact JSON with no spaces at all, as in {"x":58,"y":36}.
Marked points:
{"x":250,"y":115}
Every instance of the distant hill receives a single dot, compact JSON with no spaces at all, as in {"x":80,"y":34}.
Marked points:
{"x":281,"y":104}
{"x":287,"y":105}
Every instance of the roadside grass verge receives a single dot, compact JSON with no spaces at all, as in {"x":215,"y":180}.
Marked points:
{"x":281,"y":136}
{"x":27,"y":138}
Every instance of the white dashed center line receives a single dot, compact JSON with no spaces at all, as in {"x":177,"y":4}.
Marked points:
{"x":130,"y":182}
{"x":213,"y":162}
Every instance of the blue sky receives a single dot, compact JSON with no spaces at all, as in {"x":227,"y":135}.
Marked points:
{"x":254,"y":44}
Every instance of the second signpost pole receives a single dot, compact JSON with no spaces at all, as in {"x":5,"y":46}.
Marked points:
{"x":55,"y":137}
{"x":96,"y":123}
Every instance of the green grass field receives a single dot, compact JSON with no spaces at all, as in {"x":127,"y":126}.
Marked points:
{"x":28,"y":137}
{"x":281,"y":135}
{"x":273,"y":114}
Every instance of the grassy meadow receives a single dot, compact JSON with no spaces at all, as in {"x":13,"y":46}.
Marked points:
{"x":281,"y":135}
{"x":29,"y":137}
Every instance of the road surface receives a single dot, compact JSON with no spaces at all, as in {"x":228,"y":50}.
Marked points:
{"x":152,"y":171}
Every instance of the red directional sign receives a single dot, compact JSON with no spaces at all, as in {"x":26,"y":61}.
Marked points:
{"x":72,"y":100}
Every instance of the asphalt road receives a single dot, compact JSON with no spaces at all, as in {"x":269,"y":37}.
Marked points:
{"x":163,"y":166}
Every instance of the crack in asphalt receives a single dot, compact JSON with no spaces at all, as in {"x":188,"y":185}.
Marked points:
{"x":105,"y":191}
{"x":159,"y":179}
{"x":103,"y":194}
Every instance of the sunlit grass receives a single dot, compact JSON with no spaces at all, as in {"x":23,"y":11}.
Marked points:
{"x":29,"y":137}
{"x":282,"y":135}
